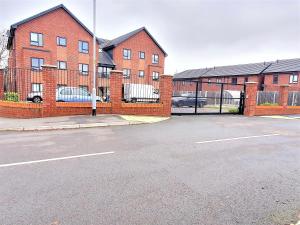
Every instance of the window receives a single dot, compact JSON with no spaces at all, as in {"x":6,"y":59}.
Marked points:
{"x":35,"y":87}
{"x":234,"y":80}
{"x":141,"y":73}
{"x":61,"y":65}
{"x":246,"y":79}
{"x":84,"y":68}
{"x":126,"y":73}
{"x":155,"y":75}
{"x":142,"y":55}
{"x":36,"y":39}
{"x":83,"y":47}
{"x":36,"y":63}
{"x":61,"y":41}
{"x":275,"y":79}
{"x":126,"y":53}
{"x":219,"y":81}
{"x":293,"y":78}
{"x":209,"y":81}
{"x":155,"y":59}
{"x":104,"y":72}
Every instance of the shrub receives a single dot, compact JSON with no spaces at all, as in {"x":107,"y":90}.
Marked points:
{"x":11,"y":96}
{"x":269,"y":104}
{"x":233,"y":110}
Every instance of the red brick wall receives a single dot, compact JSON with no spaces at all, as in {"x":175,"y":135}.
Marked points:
{"x":283,"y":78}
{"x":139,"y":42}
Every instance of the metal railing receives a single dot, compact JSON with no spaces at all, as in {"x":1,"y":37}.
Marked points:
{"x":294,"y":98}
{"x":267,"y":98}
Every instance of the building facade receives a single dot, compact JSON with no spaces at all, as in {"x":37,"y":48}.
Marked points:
{"x":57,"y":37}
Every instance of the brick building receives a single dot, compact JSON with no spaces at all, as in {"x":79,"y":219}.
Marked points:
{"x":268,"y":75}
{"x":57,"y":37}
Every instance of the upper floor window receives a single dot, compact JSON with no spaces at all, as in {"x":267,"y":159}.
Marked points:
{"x":61,"y":65}
{"x":142,"y":55}
{"x":126,"y":73}
{"x":219,"y":80}
{"x":293,"y":78}
{"x":36,"y":63}
{"x":155,"y":75}
{"x":209,"y":81}
{"x":126,"y":53}
{"x":234,"y":80}
{"x":155,"y":58}
{"x":246,"y":79}
{"x":141,"y":73}
{"x":84,"y":68}
{"x":36,"y":39}
{"x":61,"y":41}
{"x":83,"y":46}
{"x":275,"y":79}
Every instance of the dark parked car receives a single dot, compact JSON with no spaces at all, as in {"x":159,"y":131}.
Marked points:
{"x":188,"y":100}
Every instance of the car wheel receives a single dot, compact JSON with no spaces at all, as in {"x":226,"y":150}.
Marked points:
{"x":37,"y":99}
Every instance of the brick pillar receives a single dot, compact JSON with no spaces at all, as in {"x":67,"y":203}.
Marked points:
{"x":116,"y":91}
{"x":283,"y":95}
{"x":165,"y":91}
{"x":49,"y":90}
{"x":250,"y":99}
{"x":1,"y":84}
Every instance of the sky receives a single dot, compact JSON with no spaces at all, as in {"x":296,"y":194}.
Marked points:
{"x":194,"y":33}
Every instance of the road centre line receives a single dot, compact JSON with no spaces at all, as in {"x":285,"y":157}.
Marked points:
{"x":54,"y":159}
{"x":236,"y":138}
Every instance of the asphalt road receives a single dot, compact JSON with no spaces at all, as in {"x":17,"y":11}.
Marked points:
{"x":186,"y":170}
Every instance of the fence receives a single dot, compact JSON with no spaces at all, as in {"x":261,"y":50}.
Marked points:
{"x":267,"y":98}
{"x":294,"y":98}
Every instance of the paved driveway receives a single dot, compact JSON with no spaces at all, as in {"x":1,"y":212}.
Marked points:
{"x":186,"y":170}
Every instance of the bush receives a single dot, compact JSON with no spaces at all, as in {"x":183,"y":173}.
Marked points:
{"x":269,"y":104}
{"x":233,"y":110}
{"x":11,"y":96}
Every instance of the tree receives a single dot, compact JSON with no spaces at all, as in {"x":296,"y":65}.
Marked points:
{"x":3,"y":49}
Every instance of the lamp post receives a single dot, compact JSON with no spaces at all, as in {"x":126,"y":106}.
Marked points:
{"x":94,"y":105}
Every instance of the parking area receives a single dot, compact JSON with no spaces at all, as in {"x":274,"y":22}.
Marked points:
{"x":224,"y":169}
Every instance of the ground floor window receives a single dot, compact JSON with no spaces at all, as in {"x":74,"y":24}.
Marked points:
{"x":155,"y":75}
{"x":126,"y":73}
{"x":293,"y":78}
{"x":104,"y":71}
{"x":36,"y":87}
{"x":104,"y":93}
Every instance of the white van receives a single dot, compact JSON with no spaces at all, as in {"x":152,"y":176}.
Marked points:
{"x":140,"y":93}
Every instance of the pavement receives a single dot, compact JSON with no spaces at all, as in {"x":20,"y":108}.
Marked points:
{"x":73,"y":122}
{"x":208,"y":169}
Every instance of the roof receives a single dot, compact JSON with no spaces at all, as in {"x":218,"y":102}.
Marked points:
{"x":115,"y":42}
{"x":190,"y":74}
{"x":61,"y":6}
{"x":105,"y":59}
{"x":285,"y":65}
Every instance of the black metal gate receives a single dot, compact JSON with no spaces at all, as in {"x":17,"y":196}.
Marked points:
{"x":204,"y":97}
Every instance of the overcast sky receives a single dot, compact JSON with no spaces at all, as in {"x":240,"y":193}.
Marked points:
{"x":194,"y":33}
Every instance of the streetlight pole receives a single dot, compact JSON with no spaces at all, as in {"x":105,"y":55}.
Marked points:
{"x":94,"y":105}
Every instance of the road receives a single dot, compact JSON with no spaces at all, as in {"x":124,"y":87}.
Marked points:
{"x":186,"y":170}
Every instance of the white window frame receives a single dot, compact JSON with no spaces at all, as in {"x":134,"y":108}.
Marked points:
{"x":155,"y":75}
{"x":82,"y":66}
{"x":155,"y":59}
{"x":126,"y":53}
{"x":126,"y":73}
{"x":36,"y":39}
{"x":59,"y":63}
{"x":294,"y":78}
{"x":141,"y":73}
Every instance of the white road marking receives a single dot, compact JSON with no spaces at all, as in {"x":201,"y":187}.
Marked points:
{"x":54,"y":159}
{"x":237,"y":138}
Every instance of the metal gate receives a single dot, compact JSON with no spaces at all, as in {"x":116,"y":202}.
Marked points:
{"x":201,"y":97}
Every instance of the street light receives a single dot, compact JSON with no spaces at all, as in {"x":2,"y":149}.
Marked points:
{"x":94,"y":105}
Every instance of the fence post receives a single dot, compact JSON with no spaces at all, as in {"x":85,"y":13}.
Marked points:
{"x":116,"y":91}
{"x":250,"y":98}
{"x":1,"y":84}
{"x":283,"y":95}
{"x":49,"y":90}
{"x":165,"y":91}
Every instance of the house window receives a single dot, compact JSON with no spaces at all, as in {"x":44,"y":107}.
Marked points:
{"x":155,"y":75}
{"x":219,"y":81}
{"x":246,"y":79}
{"x":36,"y":63}
{"x":104,"y":72}
{"x":36,"y":87}
{"x":61,"y":41}
{"x":83,"y":46}
{"x":61,"y":65}
{"x":209,"y":81}
{"x":275,"y":79}
{"x":126,"y":73}
{"x":293,"y":78}
{"x":126,"y":53}
{"x":142,"y":55}
{"x":234,"y":80}
{"x":141,"y":73}
{"x":84,"y":68}
{"x":36,"y":39}
{"x":155,"y":59}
